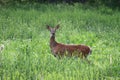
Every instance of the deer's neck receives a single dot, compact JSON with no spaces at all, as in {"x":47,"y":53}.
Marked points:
{"x":53,"y":43}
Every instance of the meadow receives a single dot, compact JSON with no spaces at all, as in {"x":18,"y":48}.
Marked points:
{"x":27,"y":55}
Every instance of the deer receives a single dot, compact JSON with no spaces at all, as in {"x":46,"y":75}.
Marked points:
{"x":60,"y":49}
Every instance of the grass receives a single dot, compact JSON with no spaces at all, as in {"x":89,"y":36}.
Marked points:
{"x":27,"y":54}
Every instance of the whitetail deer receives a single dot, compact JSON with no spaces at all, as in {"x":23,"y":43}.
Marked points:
{"x":59,"y":49}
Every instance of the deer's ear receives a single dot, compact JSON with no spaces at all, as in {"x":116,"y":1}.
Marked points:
{"x":57,"y":27}
{"x":48,"y":27}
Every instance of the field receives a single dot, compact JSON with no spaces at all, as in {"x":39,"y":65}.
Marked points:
{"x":27,"y":55}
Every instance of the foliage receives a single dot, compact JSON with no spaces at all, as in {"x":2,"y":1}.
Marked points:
{"x":27,"y":55}
{"x":110,"y":3}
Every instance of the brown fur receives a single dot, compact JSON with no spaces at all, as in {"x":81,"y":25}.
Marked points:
{"x":59,"y":49}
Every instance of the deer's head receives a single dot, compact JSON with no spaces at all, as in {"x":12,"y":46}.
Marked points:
{"x":52,"y":30}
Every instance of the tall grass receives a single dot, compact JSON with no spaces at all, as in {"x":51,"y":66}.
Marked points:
{"x":27,"y":54}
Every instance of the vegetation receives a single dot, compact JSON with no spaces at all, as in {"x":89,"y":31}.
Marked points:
{"x":27,"y":56}
{"x":110,"y":3}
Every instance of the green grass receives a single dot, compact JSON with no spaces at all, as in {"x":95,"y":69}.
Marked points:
{"x":27,"y":54}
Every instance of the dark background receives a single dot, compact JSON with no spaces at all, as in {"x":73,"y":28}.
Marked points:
{"x":109,"y":3}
